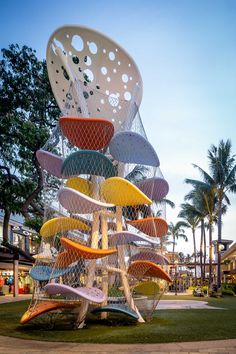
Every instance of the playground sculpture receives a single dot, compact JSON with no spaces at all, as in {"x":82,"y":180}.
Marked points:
{"x":103,"y":189}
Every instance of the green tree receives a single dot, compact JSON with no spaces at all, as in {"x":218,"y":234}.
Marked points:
{"x":28,"y":112}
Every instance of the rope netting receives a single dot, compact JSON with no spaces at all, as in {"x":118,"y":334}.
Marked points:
{"x":104,"y":208}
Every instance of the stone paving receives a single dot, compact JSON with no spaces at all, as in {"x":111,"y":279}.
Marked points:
{"x":21,"y":346}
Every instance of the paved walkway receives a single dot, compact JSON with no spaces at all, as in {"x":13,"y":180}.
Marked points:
{"x":185,"y":304}
{"x":9,"y":298}
{"x":22,"y":346}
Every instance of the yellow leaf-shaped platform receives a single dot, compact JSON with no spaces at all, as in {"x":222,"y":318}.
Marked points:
{"x":148,"y":288}
{"x":119,"y":191}
{"x":80,"y":185}
{"x":62,"y":224}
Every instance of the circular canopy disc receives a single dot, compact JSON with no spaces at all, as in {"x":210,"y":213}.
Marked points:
{"x":107,"y":76}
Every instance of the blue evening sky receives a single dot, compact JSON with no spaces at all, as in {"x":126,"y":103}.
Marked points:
{"x":186,"y":52}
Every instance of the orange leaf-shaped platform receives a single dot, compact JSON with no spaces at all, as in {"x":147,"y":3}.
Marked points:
{"x":43,"y":307}
{"x":144,"y":268}
{"x":74,"y":251}
{"x":155,"y":227}
{"x":87,"y":133}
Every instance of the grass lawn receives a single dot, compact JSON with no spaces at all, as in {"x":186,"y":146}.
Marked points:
{"x":166,"y":326}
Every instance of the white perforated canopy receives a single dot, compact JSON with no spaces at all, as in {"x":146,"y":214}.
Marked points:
{"x":92,"y":76}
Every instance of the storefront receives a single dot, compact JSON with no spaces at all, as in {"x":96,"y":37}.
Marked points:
{"x":229,"y":265}
{"x":25,"y":283}
{"x":22,"y":239}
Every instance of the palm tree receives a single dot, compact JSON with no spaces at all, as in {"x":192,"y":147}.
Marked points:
{"x":177,"y":231}
{"x":222,"y":180}
{"x":192,"y":219}
{"x":204,"y":199}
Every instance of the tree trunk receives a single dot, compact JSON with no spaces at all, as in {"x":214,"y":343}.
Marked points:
{"x":201,"y":248}
{"x":210,"y":254}
{"x":6,"y":220}
{"x":173,"y":256}
{"x":195,"y":261}
{"x":204,"y":255}
{"x":219,"y":242}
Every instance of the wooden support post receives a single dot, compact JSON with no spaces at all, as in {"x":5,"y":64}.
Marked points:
{"x":15,"y":275}
{"x":104,"y":261}
{"x":91,"y":271}
{"x":121,"y":259}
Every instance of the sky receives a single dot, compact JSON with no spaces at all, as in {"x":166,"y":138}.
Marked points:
{"x":186,"y":53}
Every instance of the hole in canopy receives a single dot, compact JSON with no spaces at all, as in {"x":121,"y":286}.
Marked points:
{"x":75,"y":59}
{"x":65,"y":74}
{"x":107,"y":92}
{"x":113,"y":100}
{"x":104,"y":70}
{"x":87,"y":60}
{"x":127,"y":96}
{"x":113,"y":120}
{"x":70,"y":53}
{"x":102,"y":101}
{"x":58,"y":44}
{"x":114,"y":70}
{"x":67,"y":36}
{"x":93,"y":47}
{"x":112,"y":56}
{"x":104,"y":51}
{"x":108,"y":79}
{"x":69,"y":96}
{"x":77,"y":43}
{"x":88,"y":75}
{"x":125,"y":78}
